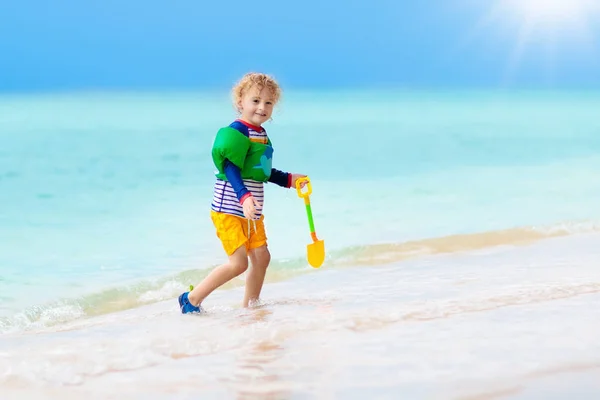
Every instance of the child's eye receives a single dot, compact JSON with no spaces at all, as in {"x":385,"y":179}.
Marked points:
{"x":269,"y":102}
{"x":255,"y":101}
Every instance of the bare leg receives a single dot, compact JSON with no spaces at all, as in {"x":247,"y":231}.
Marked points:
{"x":260,"y":257}
{"x":238,"y":263}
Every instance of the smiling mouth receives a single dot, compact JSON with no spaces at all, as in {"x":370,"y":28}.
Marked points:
{"x":261,"y":115}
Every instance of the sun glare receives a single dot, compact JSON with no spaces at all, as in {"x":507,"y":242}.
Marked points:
{"x":552,"y":14}
{"x":543,"y":27}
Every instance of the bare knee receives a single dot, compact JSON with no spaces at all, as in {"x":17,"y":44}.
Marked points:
{"x":261,"y":257}
{"x":266,"y":259}
{"x":238,"y":261}
{"x":239,"y":266}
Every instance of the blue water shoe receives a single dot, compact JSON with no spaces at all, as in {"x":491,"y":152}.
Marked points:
{"x":186,"y":306}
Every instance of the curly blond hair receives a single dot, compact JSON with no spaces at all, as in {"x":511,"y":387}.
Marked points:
{"x":251,"y":79}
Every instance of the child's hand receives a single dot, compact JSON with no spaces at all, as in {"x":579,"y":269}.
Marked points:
{"x":295,"y":178}
{"x":250,"y":205}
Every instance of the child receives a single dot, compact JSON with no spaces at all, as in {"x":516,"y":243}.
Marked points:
{"x":242,"y":153}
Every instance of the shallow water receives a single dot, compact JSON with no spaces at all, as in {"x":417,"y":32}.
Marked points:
{"x":437,"y":326}
{"x":461,"y":231}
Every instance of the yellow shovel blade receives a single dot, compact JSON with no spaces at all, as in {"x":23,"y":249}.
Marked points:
{"x":315,"y":253}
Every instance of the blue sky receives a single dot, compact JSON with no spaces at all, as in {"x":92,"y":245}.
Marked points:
{"x":185,"y":44}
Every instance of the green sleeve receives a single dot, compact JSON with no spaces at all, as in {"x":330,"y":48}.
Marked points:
{"x":230,"y":144}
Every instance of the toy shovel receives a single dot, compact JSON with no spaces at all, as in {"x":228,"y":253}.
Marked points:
{"x":315,"y":252}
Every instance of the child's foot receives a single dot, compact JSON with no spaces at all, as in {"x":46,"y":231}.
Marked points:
{"x":186,"y":306}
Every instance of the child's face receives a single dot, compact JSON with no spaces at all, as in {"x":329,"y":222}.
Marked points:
{"x":256,"y":105}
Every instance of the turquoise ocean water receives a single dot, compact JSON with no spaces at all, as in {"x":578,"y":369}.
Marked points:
{"x":104,"y":198}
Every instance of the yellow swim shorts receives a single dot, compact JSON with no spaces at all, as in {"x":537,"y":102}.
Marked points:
{"x":234,"y":231}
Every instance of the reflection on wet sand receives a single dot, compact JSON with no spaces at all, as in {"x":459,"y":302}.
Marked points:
{"x":255,"y":375}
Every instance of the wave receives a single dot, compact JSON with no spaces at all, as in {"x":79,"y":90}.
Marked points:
{"x":393,"y":252}
{"x":167,"y":288}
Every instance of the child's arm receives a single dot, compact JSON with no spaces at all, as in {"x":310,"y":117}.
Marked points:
{"x":234,"y":176}
{"x":283,"y":179}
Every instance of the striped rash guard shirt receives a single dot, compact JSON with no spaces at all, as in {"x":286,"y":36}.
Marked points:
{"x":229,"y":195}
